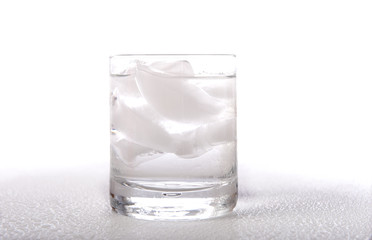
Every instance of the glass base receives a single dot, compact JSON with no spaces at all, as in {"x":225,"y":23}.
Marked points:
{"x":157,"y":200}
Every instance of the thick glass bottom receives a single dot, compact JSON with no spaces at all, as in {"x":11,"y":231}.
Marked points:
{"x":166,"y":200}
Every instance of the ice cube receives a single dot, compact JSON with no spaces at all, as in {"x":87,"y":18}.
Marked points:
{"x":222,"y":88}
{"x":138,"y":128}
{"x":175,"y":98}
{"x":130,"y":153}
{"x":149,"y":133}
{"x":179,"y":68}
{"x":196,"y":142}
{"x":151,"y":126}
{"x":217,"y":162}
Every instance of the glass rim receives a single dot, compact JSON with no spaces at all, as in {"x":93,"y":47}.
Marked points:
{"x":175,"y":54}
{"x":204,"y":65}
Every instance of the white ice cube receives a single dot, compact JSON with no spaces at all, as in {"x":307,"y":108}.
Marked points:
{"x":197,"y":142}
{"x":160,"y":113}
{"x":175,"y":98}
{"x":221,"y":88}
{"x":217,"y":162}
{"x":178,"y":68}
{"x":130,"y":153}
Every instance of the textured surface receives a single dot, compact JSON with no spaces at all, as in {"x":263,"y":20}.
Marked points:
{"x":73,"y":204}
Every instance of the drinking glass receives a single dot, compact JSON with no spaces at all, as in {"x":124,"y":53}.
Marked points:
{"x":173,"y":135}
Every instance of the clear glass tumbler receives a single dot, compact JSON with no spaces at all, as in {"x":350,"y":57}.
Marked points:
{"x":173,"y":136}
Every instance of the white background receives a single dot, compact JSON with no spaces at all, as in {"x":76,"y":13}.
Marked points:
{"x":304,"y":78}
